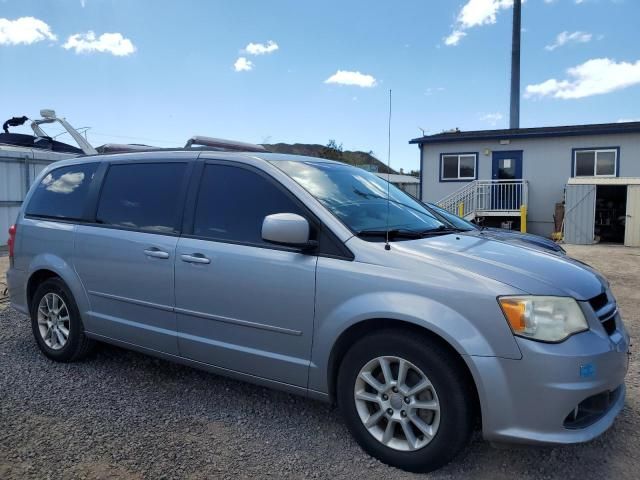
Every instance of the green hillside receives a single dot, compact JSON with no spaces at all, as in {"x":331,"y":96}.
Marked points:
{"x":331,"y":151}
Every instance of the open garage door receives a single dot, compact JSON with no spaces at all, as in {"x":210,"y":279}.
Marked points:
{"x":632,"y":222}
{"x":579,"y":217}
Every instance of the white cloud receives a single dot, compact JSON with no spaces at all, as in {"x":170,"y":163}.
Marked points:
{"x":492,"y":118}
{"x":565,"y":37}
{"x":243,"y":65}
{"x":625,"y":120}
{"x":345,"y":77}
{"x":474,"y":14}
{"x":261,"y":48}
{"x":25,"y":31}
{"x":431,"y":90}
{"x":594,"y":77}
{"x":454,"y":38}
{"x":113,"y":43}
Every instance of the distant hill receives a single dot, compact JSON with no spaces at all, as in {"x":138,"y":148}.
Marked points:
{"x":356,"y":158}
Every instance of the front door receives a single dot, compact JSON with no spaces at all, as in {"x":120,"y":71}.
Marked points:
{"x":506,"y":194}
{"x":244,"y":304}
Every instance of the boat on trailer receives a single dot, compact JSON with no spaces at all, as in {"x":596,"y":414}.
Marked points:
{"x":24,"y":156}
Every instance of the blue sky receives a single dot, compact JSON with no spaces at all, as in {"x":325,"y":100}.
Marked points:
{"x":172,"y":69}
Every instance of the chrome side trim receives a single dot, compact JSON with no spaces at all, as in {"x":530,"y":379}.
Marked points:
{"x":236,"y":321}
{"x":184,"y":311}
{"x":110,"y":296}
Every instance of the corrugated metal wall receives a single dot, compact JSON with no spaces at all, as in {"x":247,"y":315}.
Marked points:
{"x":632,"y":224}
{"x":19,"y":167}
{"x":580,"y":212}
{"x":410,"y":188}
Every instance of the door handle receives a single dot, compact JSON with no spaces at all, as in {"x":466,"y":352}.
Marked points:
{"x":156,"y":253}
{"x":195,"y":258}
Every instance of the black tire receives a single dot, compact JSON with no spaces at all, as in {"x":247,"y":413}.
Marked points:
{"x":78,"y":345}
{"x":447,"y":376}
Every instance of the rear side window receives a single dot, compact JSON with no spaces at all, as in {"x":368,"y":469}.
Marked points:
{"x":62,"y":192}
{"x":233,"y":202}
{"x":143,"y":196}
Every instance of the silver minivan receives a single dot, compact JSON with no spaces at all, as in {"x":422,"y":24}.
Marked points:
{"x":320,"y":279}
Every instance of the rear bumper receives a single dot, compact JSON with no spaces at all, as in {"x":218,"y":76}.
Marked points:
{"x":16,"y":284}
{"x":534,"y":400}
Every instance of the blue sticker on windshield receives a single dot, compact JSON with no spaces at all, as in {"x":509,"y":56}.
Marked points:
{"x":587,"y":370}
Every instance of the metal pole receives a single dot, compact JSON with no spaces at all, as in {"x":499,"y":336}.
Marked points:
{"x":514,"y":117}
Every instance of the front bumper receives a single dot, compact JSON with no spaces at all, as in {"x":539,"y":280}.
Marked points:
{"x":534,"y":400}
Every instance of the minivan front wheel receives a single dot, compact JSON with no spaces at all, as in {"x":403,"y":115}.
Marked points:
{"x":56,"y":323}
{"x":405,"y":400}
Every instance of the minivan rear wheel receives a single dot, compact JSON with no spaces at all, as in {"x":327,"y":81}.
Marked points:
{"x":56,"y":323}
{"x":405,"y":400}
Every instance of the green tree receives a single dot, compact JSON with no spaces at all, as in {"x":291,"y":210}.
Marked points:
{"x":332,"y":151}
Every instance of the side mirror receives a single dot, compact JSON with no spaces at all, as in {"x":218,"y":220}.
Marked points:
{"x":287,"y":229}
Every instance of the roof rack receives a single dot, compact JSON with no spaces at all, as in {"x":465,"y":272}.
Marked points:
{"x":222,"y":144}
{"x":125,"y":148}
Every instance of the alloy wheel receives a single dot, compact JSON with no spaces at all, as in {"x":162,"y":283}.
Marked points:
{"x":397,"y":403}
{"x":53,"y":321}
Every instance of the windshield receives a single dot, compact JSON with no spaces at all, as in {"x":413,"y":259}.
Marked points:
{"x":359,"y":198}
{"x":449,"y":217}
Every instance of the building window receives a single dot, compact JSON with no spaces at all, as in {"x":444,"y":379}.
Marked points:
{"x":458,"y":166}
{"x":595,"y":163}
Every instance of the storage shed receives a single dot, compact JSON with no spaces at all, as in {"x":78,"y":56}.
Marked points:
{"x":602,"y":210}
{"x":408,"y":183}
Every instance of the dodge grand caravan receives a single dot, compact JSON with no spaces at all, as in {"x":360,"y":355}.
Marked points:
{"x":319,"y":278}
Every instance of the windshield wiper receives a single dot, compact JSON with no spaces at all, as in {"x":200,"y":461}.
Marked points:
{"x":441,"y":230}
{"x":393,"y":233}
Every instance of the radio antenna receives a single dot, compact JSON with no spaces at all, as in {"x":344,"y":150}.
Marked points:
{"x":387,"y":246}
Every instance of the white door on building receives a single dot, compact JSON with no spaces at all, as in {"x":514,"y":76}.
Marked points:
{"x":632,"y":224}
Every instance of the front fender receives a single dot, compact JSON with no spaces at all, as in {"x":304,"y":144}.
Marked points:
{"x":450,"y":325}
{"x":463,"y":311}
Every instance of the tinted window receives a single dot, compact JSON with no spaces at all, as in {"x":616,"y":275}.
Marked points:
{"x":233,"y":202}
{"x":62,"y":192}
{"x":144,"y":196}
{"x":449,"y":217}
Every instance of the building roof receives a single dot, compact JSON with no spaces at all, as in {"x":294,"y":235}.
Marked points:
{"x":395,"y":178}
{"x":538,"y":132}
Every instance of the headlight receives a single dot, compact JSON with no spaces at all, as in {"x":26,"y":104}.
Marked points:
{"x":548,"y":319}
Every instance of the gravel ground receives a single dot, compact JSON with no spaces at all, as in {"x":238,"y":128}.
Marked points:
{"x":124,"y":415}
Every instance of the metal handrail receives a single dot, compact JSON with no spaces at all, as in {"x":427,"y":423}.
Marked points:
{"x":487,"y":196}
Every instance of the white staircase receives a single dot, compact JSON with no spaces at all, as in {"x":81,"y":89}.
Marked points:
{"x":485,"y":198}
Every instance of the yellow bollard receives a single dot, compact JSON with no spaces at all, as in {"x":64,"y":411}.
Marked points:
{"x":461,"y":209}
{"x":523,"y":218}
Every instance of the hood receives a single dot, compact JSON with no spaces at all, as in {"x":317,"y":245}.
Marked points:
{"x":522,"y":239}
{"x":530,"y":270}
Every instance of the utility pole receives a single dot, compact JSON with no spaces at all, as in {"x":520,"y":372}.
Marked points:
{"x":514,"y":116}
